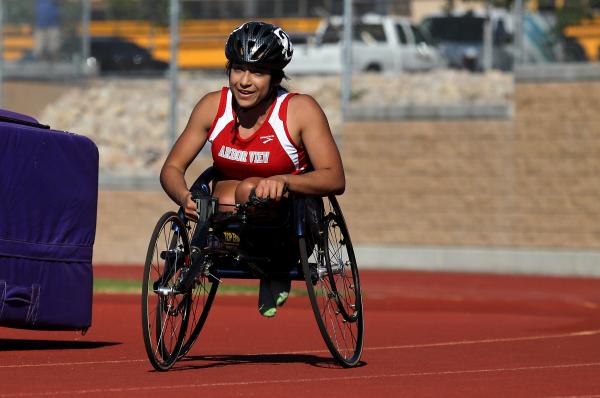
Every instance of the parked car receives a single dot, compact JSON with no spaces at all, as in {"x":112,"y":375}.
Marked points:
{"x":115,"y":54}
{"x":380,"y":44}
{"x":460,"y":38}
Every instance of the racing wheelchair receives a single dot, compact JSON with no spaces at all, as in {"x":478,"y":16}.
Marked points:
{"x":306,"y":240}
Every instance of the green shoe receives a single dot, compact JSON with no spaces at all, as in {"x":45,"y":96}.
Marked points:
{"x":267,"y":306}
{"x":267,"y":312}
{"x":282,"y":298}
{"x":280,"y":288}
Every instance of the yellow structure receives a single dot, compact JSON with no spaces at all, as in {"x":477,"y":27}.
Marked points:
{"x":201,"y":42}
{"x":534,"y":4}
{"x":587,"y":34}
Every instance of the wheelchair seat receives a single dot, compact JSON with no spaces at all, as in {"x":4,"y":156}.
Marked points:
{"x":257,"y":240}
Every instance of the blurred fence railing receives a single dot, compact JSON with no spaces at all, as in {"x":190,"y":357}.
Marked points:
{"x":405,"y":91}
{"x":55,"y":30}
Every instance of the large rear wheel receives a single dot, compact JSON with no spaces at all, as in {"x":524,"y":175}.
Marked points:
{"x":331,"y":276}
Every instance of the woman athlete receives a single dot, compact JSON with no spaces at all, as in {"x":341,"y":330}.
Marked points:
{"x":262,"y":137}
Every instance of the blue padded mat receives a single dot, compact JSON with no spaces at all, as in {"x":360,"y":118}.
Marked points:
{"x":48,"y":206}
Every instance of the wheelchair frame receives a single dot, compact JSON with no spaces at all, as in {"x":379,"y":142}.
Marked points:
{"x":181,"y":279}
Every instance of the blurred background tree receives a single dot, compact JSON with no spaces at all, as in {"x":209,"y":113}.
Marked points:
{"x":156,"y":11}
{"x":17,"y":11}
{"x":573,"y":12}
{"x":450,"y":4}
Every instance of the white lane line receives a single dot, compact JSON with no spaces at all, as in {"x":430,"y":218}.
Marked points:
{"x":575,"y":396}
{"x":41,"y":365}
{"x":393,"y":347}
{"x":460,"y":342}
{"x":308,"y":380}
{"x":486,"y":341}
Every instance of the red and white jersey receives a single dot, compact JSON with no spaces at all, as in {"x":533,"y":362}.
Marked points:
{"x":269,"y":151}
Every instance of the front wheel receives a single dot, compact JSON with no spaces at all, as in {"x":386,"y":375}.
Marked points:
{"x":164,"y":308}
{"x":331,"y":276}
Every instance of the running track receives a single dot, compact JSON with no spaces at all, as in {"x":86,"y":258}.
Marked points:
{"x":427,"y":335}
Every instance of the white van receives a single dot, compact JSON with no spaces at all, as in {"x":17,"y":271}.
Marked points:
{"x":380,"y":44}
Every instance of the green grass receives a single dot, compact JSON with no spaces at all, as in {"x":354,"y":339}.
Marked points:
{"x":121,"y":286}
{"x":117,"y":286}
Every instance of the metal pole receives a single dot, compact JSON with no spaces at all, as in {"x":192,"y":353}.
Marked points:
{"x":86,"y":11}
{"x":250,"y":8}
{"x":487,"y":38}
{"x":328,"y":5}
{"x":278,"y":8}
{"x":174,"y":36}
{"x":519,"y":32}
{"x":346,"y":82}
{"x":302,"y":8}
{"x":1,"y":53}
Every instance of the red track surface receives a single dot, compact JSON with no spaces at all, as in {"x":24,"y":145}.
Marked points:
{"x":427,"y":335}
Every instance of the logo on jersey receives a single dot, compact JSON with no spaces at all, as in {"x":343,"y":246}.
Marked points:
{"x":244,"y":156}
{"x":267,"y":138}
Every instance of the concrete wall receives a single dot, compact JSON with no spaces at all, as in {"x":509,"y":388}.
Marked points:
{"x":528,"y":182}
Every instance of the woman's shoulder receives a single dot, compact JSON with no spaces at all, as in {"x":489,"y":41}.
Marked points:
{"x":304,"y":105}
{"x":207,"y":107}
{"x":211,"y":98}
{"x":209,"y":102}
{"x":303,"y":101}
{"x":304,"y":112}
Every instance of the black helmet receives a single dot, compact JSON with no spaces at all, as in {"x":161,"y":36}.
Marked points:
{"x":261,"y":44}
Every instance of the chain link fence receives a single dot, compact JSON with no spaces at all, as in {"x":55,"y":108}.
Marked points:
{"x":44,"y":38}
{"x":410,"y":35}
{"x":420,"y":59}
{"x":463,"y":35}
{"x":488,"y":162}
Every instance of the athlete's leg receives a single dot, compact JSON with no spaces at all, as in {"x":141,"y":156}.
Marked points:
{"x":272,"y":292}
{"x":225,"y":191}
{"x":242,"y":191}
{"x":233,"y":191}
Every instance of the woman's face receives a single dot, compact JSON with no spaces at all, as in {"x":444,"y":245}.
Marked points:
{"x":249,"y":84}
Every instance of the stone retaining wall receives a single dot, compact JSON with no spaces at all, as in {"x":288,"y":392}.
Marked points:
{"x":527,"y":182}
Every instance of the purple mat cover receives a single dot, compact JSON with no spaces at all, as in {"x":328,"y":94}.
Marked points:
{"x":48,"y":206}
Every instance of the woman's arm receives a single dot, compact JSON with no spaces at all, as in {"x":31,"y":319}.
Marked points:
{"x":308,"y":124}
{"x":184,"y":151}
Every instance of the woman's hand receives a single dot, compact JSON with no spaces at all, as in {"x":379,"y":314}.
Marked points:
{"x":189,"y":206}
{"x":272,"y":187}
